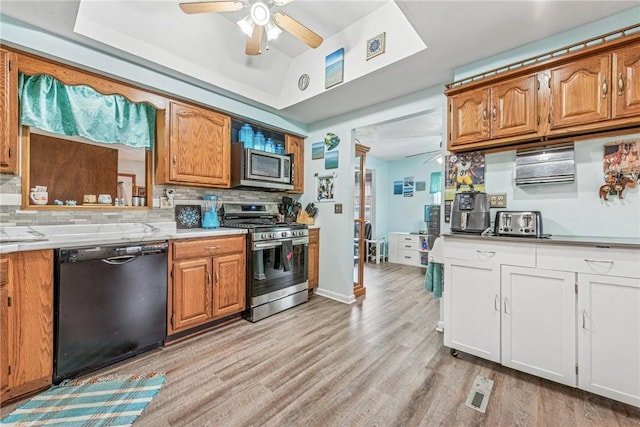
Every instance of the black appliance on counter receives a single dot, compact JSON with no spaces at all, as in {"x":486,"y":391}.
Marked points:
{"x":470,"y":212}
{"x":432,"y":220}
{"x":110,"y":303}
{"x":276,"y":258}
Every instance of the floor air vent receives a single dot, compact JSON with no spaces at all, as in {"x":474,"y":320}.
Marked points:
{"x":478,"y":397}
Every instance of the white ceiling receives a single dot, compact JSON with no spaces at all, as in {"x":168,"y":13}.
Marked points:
{"x":456,"y":33}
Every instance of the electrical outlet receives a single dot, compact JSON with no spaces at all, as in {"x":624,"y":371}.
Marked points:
{"x":166,"y":202}
{"x":337,"y":208}
{"x":498,"y":200}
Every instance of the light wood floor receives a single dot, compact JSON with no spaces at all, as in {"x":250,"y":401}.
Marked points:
{"x":375,"y":363}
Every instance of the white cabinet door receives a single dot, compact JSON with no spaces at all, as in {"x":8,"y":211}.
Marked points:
{"x":539,"y":322}
{"x":609,"y":336}
{"x":472,"y":307}
{"x":393,"y":247}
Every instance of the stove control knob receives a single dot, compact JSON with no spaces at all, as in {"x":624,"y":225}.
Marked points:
{"x":284,"y":234}
{"x":272,"y":235}
{"x":264,"y":236}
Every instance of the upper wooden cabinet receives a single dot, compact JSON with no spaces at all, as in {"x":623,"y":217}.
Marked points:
{"x":581,"y":92}
{"x":625,"y":82}
{"x":591,"y":90}
{"x":505,"y":109}
{"x":295,"y":145}
{"x":8,"y":112}
{"x":198,"y":150}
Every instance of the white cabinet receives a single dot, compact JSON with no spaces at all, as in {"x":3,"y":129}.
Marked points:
{"x":539,"y":322}
{"x":472,"y":307}
{"x":404,"y":248}
{"x":609,"y":336}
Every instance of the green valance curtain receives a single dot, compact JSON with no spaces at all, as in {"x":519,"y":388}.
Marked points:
{"x":50,"y":105}
{"x":434,"y":182}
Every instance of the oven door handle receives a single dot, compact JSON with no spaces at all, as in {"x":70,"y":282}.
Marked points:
{"x":274,"y":244}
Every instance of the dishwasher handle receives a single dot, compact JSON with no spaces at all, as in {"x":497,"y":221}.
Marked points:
{"x":119,"y":260}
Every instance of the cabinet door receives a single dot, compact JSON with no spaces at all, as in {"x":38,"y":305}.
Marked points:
{"x":581,"y":92}
{"x":229,"y":295}
{"x":313,"y":257}
{"x":469,"y":117}
{"x":6,"y":325}
{"x":539,"y":322}
{"x":200,"y":146}
{"x":514,"y":107}
{"x":192,"y":298}
{"x":8,"y":112}
{"x":626,"y":82}
{"x":295,"y":145}
{"x":609,"y":336}
{"x":472,"y":307}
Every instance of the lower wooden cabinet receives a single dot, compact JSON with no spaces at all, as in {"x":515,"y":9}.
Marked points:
{"x":26,"y":322}
{"x":313,"y":257}
{"x":207,"y":281}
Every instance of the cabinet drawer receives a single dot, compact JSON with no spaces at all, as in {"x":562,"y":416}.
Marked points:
{"x":407,"y":256}
{"x":607,"y":261}
{"x":207,"y":247}
{"x":407,"y":239}
{"x":411,"y":246}
{"x":491,"y":252}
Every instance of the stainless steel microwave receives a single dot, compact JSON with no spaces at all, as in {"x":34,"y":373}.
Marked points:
{"x":255,"y":168}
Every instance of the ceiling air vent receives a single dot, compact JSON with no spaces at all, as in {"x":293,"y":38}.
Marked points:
{"x":545,"y":165}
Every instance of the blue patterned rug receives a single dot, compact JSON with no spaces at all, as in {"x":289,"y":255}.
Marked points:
{"x":106,"y":401}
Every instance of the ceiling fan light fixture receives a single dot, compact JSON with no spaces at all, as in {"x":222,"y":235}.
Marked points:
{"x":246,"y":25}
{"x":260,"y":13}
{"x":272,"y":30}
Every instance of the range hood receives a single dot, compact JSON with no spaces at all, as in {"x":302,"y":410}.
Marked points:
{"x":545,"y":165}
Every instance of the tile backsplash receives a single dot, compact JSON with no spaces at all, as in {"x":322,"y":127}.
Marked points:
{"x":12,"y":214}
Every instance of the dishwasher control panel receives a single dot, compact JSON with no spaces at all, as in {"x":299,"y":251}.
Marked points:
{"x":105,"y":252}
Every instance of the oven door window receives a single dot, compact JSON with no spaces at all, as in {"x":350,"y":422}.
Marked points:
{"x":278,"y":267}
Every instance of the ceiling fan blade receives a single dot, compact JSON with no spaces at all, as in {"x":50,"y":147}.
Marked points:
{"x":211,"y":6}
{"x":282,"y":2}
{"x":297,"y":29}
{"x":254,"y":43}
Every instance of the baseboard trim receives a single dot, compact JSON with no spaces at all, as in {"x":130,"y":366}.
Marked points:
{"x":345,"y":299}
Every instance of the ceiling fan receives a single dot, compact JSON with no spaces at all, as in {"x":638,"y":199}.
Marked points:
{"x":259,"y":21}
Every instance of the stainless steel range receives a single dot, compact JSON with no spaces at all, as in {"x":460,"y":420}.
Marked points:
{"x":276,"y":258}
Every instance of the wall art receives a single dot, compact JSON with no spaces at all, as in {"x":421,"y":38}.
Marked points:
{"x":375,"y":46}
{"x":331,"y":160}
{"x":621,"y":167}
{"x":334,"y":68}
{"x":317,"y":150}
{"x":397,"y":188}
{"x":325,"y":189}
{"x":407,"y":187}
{"x":188,"y":216}
{"x":465,"y":172}
{"x":331,"y":141}
{"x":421,"y":185}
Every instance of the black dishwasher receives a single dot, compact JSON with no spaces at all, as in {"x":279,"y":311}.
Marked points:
{"x":110,"y":304}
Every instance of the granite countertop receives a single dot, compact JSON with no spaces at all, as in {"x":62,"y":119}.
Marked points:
{"x":23,"y":238}
{"x":590,"y":241}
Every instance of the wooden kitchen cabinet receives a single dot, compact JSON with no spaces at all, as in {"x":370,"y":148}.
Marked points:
{"x":8,"y":112}
{"x":625,"y":86}
{"x":27,"y":322}
{"x":502,"y":110}
{"x":295,"y":145}
{"x":198,"y":147}
{"x":207,"y":281}
{"x":313,"y":257}
{"x":581,"y":92}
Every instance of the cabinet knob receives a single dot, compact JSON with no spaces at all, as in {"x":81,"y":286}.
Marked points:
{"x":484,"y":114}
{"x":493,"y":113}
{"x":175,"y":160}
{"x":620,"y":84}
{"x":605,"y":87}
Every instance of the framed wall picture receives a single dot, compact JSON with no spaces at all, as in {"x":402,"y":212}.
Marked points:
{"x":126,"y":187}
{"x":325,"y":188}
{"x":334,"y":68}
{"x":375,"y":46}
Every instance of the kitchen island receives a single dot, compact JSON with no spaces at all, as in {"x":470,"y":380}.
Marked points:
{"x":562,"y":308}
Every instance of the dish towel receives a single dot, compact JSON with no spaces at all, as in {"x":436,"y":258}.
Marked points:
{"x":287,"y":255}
{"x":434,"y":279}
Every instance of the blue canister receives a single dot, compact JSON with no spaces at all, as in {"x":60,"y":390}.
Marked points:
{"x":245,"y":135}
{"x":279,"y":148}
{"x":269,"y":146}
{"x":258,"y":141}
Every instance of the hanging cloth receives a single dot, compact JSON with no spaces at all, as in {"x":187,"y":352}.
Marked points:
{"x":50,"y":105}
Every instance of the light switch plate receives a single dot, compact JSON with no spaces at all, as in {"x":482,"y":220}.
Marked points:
{"x":498,"y":200}
{"x":337,"y":208}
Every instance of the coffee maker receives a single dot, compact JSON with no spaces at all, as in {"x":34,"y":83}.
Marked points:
{"x":470,"y":212}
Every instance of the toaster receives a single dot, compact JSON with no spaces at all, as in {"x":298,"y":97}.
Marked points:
{"x":518,"y":223}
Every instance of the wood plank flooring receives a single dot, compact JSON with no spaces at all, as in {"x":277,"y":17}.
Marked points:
{"x":378,"y":362}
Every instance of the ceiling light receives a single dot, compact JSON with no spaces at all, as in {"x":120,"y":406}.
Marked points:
{"x":272,"y":30}
{"x":260,"y":13}
{"x":246,"y":25}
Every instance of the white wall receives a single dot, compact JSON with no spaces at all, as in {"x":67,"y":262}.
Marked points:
{"x":381,"y":197}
